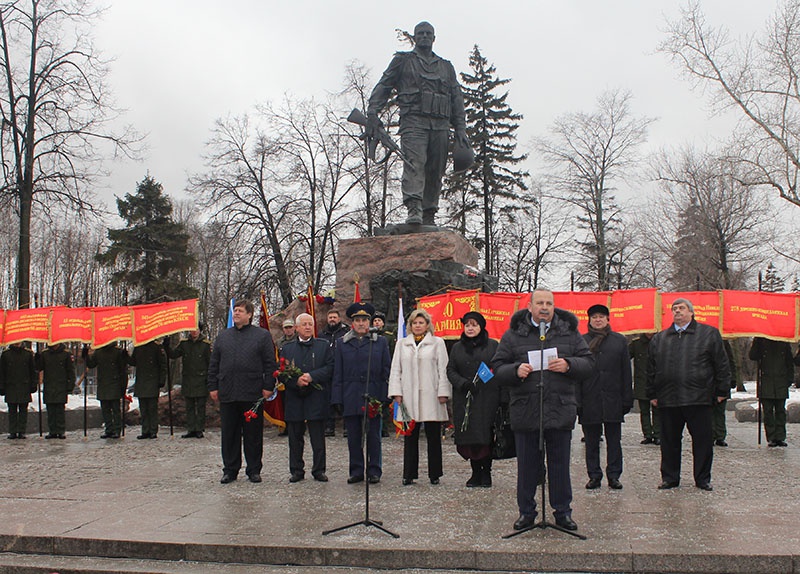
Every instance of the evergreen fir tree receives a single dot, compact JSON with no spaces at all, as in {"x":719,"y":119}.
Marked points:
{"x":772,"y":282}
{"x":150,"y":254}
{"x":492,"y":184}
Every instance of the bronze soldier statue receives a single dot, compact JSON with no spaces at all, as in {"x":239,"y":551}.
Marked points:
{"x":430,"y":102}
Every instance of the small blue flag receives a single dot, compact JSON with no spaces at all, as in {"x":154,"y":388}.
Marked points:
{"x":484,"y":373}
{"x":230,"y":314}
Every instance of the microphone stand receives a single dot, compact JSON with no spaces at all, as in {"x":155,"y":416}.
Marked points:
{"x":543,"y":523}
{"x":364,"y":427}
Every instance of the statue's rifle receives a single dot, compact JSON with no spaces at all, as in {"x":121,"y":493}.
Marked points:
{"x":380,"y":136}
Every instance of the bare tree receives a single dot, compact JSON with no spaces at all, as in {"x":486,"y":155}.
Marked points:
{"x":242,"y":192}
{"x":713,"y":227}
{"x":55,"y":112}
{"x":759,"y":77}
{"x":530,"y":238}
{"x":317,"y":155}
{"x":587,"y":153}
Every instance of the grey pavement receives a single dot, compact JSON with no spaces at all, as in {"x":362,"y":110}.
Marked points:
{"x":93,"y":505}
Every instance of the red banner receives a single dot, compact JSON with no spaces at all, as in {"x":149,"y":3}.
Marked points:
{"x":497,"y":308}
{"x":579,"y":302}
{"x":772,"y":315}
{"x":70,"y":325}
{"x":151,"y":322}
{"x":27,"y":325}
{"x":447,"y":310}
{"x":111,"y":324}
{"x":634,"y":311}
{"x":705,"y":303}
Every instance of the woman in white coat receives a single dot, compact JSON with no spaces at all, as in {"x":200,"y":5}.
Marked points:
{"x":418,"y":381}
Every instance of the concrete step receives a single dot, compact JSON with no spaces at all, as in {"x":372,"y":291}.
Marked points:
{"x":49,"y":564}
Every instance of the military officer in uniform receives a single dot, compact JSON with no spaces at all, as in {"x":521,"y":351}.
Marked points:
{"x":112,"y":378}
{"x":289,"y":333}
{"x":151,"y":374}
{"x":17,"y":382}
{"x":58,"y":376}
{"x":777,"y":372}
{"x":196,"y":354}
{"x":648,"y":414}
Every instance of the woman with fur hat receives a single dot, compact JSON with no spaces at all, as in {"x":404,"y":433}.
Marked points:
{"x":474,"y":439}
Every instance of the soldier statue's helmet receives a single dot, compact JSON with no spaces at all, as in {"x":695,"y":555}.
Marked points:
{"x":463,"y":157}
{"x":360,"y":309}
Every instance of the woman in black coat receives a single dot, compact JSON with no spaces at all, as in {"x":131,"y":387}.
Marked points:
{"x":606,"y":397}
{"x":474,"y":442}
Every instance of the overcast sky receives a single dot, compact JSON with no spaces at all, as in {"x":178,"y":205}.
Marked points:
{"x":180,"y":64}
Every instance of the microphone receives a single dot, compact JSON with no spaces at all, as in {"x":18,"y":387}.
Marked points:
{"x":542,"y":330}
{"x":374,"y":330}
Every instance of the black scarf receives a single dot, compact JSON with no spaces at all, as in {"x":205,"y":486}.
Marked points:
{"x":598,"y":336}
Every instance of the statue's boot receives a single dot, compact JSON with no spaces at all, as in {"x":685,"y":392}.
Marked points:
{"x":429,"y":217}
{"x":414,"y":212}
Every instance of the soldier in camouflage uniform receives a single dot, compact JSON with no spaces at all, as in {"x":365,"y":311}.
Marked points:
{"x":430,"y":101}
{"x":151,"y":374}
{"x":17,"y":382}
{"x":196,"y":353}
{"x":112,"y":379}
{"x":58,"y":375}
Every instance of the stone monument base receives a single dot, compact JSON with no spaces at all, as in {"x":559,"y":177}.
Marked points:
{"x":412,"y":265}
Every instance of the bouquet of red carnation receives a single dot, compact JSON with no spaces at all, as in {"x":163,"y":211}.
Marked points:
{"x":288,"y":370}
{"x":252,"y":414}
{"x":374,"y":407}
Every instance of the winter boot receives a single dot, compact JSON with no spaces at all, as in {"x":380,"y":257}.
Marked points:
{"x":476,"y":478}
{"x":486,"y":472}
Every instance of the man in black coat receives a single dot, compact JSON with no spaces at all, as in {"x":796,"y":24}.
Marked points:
{"x":307,"y":398}
{"x":606,"y":397}
{"x":333,"y":331}
{"x":512,"y":367}
{"x":687,"y":372}
{"x":239,"y":374}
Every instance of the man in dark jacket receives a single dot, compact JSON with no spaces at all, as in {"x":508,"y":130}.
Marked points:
{"x":333,"y":331}
{"x":307,"y":398}
{"x":360,"y":356}
{"x":17,"y":382}
{"x":687,"y":373}
{"x":379,"y":322}
{"x":150,"y":361}
{"x":239,"y":374}
{"x":112,"y":379}
{"x":777,"y":372}
{"x":196,"y":355}
{"x":648,"y":414}
{"x":58,"y":378}
{"x":606,"y":397}
{"x":512,"y":367}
